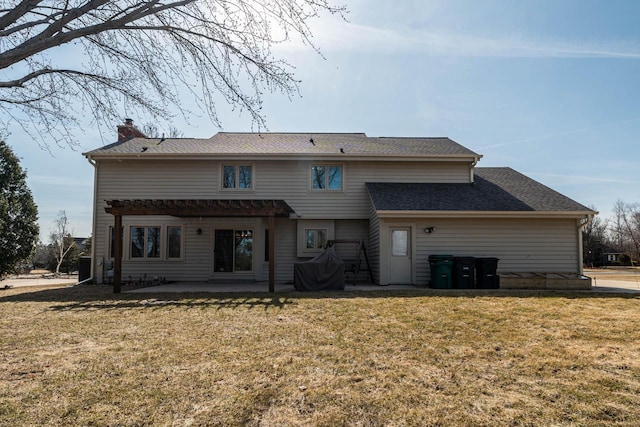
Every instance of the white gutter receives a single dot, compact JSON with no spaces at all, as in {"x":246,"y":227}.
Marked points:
{"x":281,"y":156}
{"x":480,"y":214}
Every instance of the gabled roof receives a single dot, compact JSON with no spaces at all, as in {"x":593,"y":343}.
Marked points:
{"x":494,"y":190}
{"x":286,"y":144}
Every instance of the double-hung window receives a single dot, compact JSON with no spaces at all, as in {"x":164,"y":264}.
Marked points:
{"x":237,"y":177}
{"x":326,"y":177}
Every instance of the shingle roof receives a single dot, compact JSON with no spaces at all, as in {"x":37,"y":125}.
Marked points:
{"x":227,"y":143}
{"x":494,"y":190}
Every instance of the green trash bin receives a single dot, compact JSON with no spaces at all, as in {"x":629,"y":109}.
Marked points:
{"x":441,"y":271}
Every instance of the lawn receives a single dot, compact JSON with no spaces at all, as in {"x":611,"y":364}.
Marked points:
{"x":83,"y":356}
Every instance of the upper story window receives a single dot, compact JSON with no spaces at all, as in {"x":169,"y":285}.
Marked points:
{"x":326,"y":177}
{"x":236,"y":176}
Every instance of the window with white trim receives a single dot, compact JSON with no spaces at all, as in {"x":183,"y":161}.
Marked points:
{"x":326,"y":177}
{"x":237,"y":177}
{"x":174,"y":242}
{"x":155,"y":242}
{"x":313,"y":236}
{"x":144,"y":242}
{"x":316,"y":238}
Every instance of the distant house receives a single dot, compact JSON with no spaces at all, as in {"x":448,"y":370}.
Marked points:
{"x":615,"y":258}
{"x":80,"y":242}
{"x":250,"y":205}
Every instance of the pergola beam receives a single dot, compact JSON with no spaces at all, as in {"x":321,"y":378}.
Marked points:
{"x":200,"y":208}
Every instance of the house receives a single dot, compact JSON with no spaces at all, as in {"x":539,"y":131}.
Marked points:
{"x":615,"y":258}
{"x":248,"y":206}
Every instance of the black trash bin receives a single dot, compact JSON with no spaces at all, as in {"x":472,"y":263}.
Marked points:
{"x":84,"y":268}
{"x":464,"y":272}
{"x":486,"y":273}
{"x":440,"y":266}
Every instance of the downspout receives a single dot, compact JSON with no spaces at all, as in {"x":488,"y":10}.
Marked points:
{"x":471,"y":173}
{"x":93,"y":222}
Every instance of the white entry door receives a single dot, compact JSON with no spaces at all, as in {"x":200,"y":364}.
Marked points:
{"x":400,"y":270}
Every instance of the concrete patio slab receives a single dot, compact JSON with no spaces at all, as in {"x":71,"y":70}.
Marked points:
{"x":254,"y":287}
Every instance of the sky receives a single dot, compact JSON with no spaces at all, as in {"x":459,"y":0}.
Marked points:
{"x":548,"y":88}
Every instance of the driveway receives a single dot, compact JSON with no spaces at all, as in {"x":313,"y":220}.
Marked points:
{"x":38,"y":281}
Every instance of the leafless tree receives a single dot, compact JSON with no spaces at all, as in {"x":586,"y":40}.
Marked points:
{"x":61,"y":239}
{"x":151,"y":131}
{"x":62,"y":58}
{"x":626,"y":227}
{"x":595,"y":239}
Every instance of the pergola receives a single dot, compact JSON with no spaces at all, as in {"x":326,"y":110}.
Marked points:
{"x":196,"y":208}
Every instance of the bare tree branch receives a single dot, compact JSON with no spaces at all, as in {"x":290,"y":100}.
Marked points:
{"x":143,"y":56}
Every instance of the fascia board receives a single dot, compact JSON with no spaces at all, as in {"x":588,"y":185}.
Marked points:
{"x":279,"y":156}
{"x":482,"y":214}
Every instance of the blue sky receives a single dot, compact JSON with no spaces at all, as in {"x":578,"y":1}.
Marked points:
{"x":549,"y":88}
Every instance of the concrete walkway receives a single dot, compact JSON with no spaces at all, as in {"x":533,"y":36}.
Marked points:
{"x":599,"y":284}
{"x":250,"y":287}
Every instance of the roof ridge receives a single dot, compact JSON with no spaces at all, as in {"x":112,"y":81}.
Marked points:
{"x":292,"y":133}
{"x":411,"y":137}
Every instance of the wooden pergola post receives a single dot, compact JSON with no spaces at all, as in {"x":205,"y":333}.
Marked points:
{"x":272,"y":253}
{"x":117,"y":254}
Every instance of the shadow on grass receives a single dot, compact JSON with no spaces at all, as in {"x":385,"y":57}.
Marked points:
{"x":101,"y":297}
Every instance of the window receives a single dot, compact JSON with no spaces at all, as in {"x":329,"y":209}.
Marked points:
{"x":399,"y":243}
{"x":145,"y":242}
{"x":237,"y":177}
{"x":112,"y":242}
{"x":313,"y":235}
{"x":174,"y":242}
{"x":316,"y":238}
{"x":326,"y":177}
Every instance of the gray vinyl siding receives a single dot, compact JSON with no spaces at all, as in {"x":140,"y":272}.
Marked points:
{"x":286,"y":180}
{"x":522,"y":245}
{"x":285,"y":249}
{"x":374,"y":243}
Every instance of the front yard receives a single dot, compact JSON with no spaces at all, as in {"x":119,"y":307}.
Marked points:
{"x":83,"y":356}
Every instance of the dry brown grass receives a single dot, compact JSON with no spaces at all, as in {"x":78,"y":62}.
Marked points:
{"x":82,"y":356}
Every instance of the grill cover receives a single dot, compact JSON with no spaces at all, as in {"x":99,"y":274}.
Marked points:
{"x":324,"y":272}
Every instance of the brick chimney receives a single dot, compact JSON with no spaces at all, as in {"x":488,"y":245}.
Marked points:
{"x":128,"y":131}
